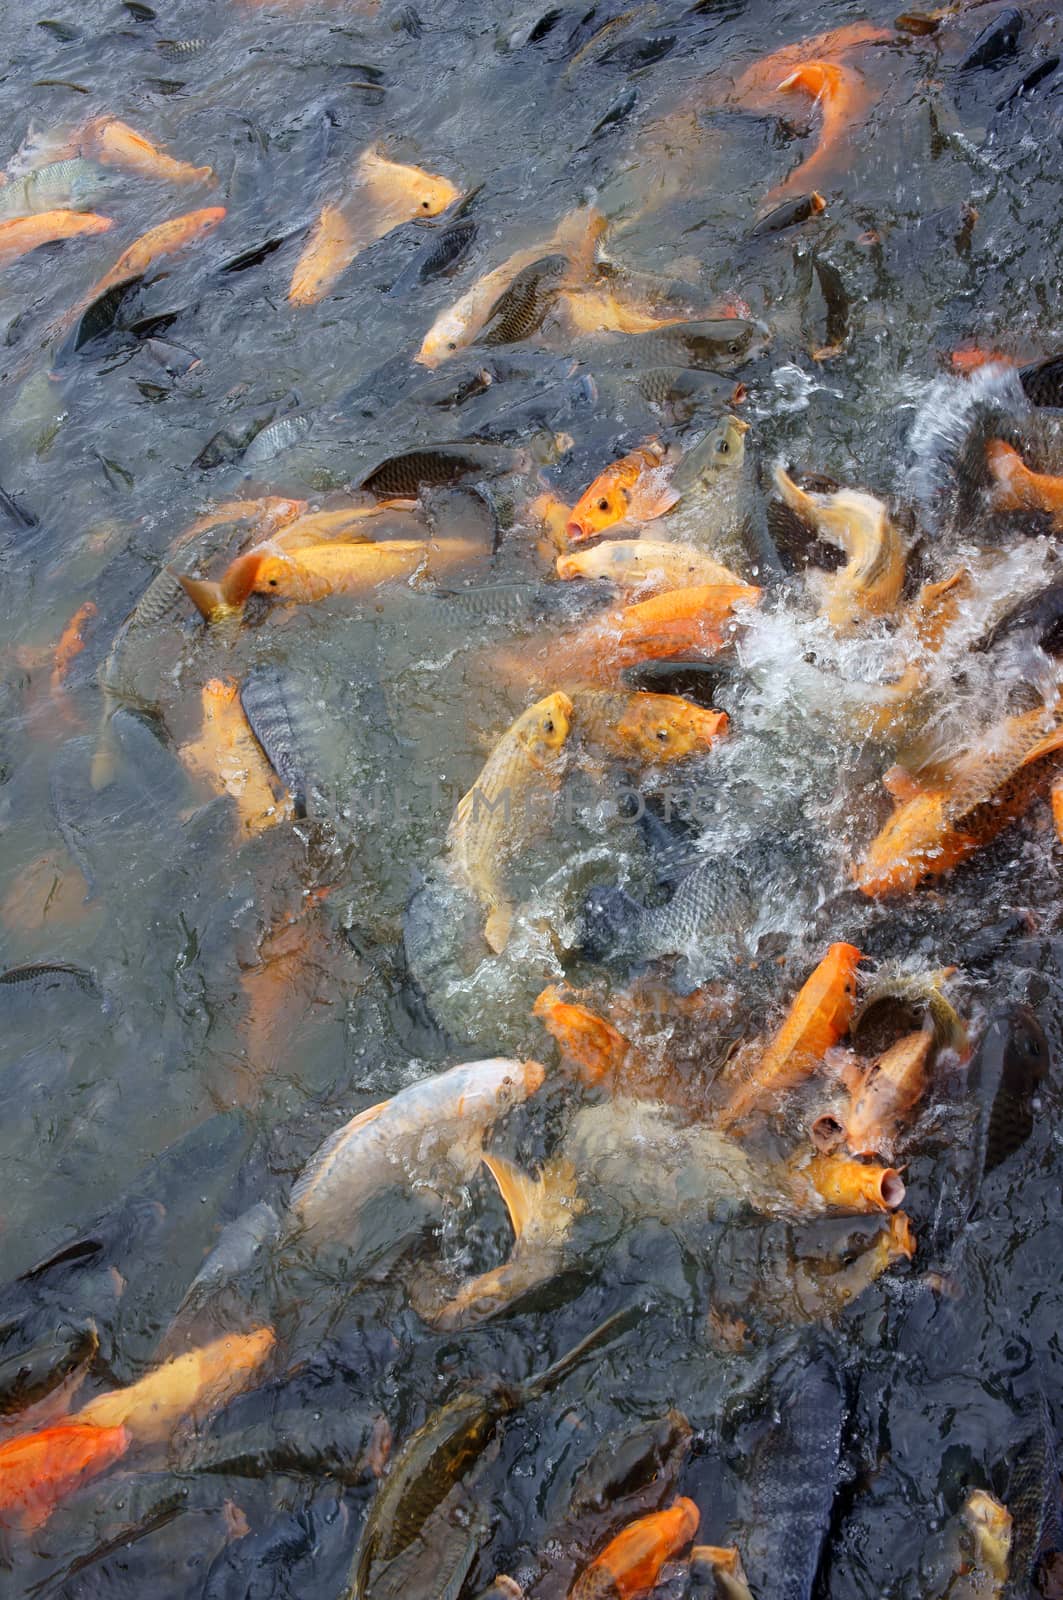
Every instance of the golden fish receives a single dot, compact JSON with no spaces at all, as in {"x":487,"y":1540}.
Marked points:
{"x":116,"y":144}
{"x":23,"y":234}
{"x":633,"y":489}
{"x":649,"y":728}
{"x":1017,"y":488}
{"x":869,"y":585}
{"x":964,"y":804}
{"x":189,"y":1385}
{"x":269,"y":514}
{"x":383,"y":195}
{"x":631,"y":1562}
{"x":492,"y":818}
{"x":694,"y":622}
{"x":883,"y":1094}
{"x":647,"y":565}
{"x":844,"y":100}
{"x":853,"y":1186}
{"x":230,"y":758}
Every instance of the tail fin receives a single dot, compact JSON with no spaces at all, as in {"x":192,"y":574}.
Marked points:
{"x":224,"y":599}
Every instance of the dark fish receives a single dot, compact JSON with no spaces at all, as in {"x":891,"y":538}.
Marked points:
{"x":699,"y":681}
{"x":99,"y":319}
{"x":180,"y":49}
{"x":621,"y":108}
{"x":256,"y":255}
{"x":1041,"y":616}
{"x":442,"y":1454}
{"x":60,"y":30}
{"x":1036,"y":1565}
{"x":231,"y":442}
{"x":30,"y":1375}
{"x":629,"y":55}
{"x":296,"y":1553}
{"x":279,"y":716}
{"x":446,"y":248}
{"x":405,"y":475}
{"x":788,"y":215}
{"x":174,"y":359}
{"x":1042,"y":381}
{"x":793,"y":1474}
{"x":1028,"y":84}
{"x":715,"y":344}
{"x":712,"y":910}
{"x":14,"y":512}
{"x":38,"y":977}
{"x":139,"y":12}
{"x":836,"y":300}
{"x":1009,"y":1068}
{"x":681,"y":391}
{"x":997,"y":41}
{"x":520,"y":310}
{"x":638,"y":1464}
{"x":797,"y":543}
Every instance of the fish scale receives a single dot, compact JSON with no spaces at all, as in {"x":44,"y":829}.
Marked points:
{"x":279,"y":718}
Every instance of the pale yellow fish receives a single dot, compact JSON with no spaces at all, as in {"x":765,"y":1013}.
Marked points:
{"x":190,"y":1385}
{"x":870,"y":583}
{"x":649,"y":566}
{"x":232,"y":761}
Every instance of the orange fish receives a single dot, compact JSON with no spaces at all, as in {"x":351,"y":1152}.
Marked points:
{"x":815,"y":1022}
{"x":651,"y":728}
{"x":854,"y":1185}
{"x":884,"y":1094}
{"x":631,"y":1563}
{"x":230,"y":758}
{"x":684,"y":622}
{"x":633,"y":489}
{"x":843,"y":99}
{"x":23,"y":234}
{"x":1017,"y":488}
{"x":970,"y":357}
{"x":384,"y":194}
{"x":71,"y":643}
{"x":968,"y":801}
{"x":163,"y":240}
{"x":37,"y":1470}
{"x":595,"y":1046}
{"x":190,"y":1385}
{"x":268,"y":514}
{"x":758,"y":85}
{"x":116,"y":144}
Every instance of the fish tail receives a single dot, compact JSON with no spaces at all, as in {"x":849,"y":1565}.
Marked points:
{"x":205,"y":596}
{"x":579,"y":236}
{"x":105,"y":757}
{"x":498,"y":928}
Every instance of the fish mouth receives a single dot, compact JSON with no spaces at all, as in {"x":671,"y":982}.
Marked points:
{"x":891,"y":1189}
{"x":576,"y":530}
{"x":827,"y":1133}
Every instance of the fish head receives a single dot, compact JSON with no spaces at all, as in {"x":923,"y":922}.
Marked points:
{"x":581,"y":563}
{"x":583,"y":1036}
{"x":665,"y":727}
{"x":278,"y":576}
{"x":199,"y":222}
{"x":902,"y":852}
{"x":604,"y":504}
{"x":721,"y":451}
{"x":425,"y":194}
{"x":990,"y":1523}
{"x":544,"y":728}
{"x":448,"y":333}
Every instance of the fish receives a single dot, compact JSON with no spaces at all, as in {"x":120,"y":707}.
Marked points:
{"x":631,"y":1562}
{"x":1007,"y":1073}
{"x":639,"y":1462}
{"x":382,"y":195}
{"x":1033,"y":1501}
{"x":1014,"y":487}
{"x":709,"y":344}
{"x":492,"y":819}
{"x":696,"y":623}
{"x":1042,"y":615}
{"x":71,"y":182}
{"x":521,"y":308}
{"x":279,"y":720}
{"x":440,"y":1455}
{"x":1042,"y":381}
{"x":22,"y":234}
{"x":651,"y":729}
{"x":446,"y":249}
{"x":896,"y":998}
{"x":434,"y":1128}
{"x":991,"y":1529}
{"x":163,"y":240}
{"x":71,"y":643}
{"x":576,"y":238}
{"x":843,"y":99}
{"x":647,"y":566}
{"x":717,"y":1570}
{"x":631,"y":489}
{"x":818,"y":1017}
{"x":232,"y":761}
{"x":440,"y":465}
{"x":31,"y":1375}
{"x":189,"y":1385}
{"x":279,"y":1427}
{"x":870,"y":583}
{"x":942,"y":820}
{"x":757,"y":85}
{"x":116,"y":144}
{"x":678,"y":393}
{"x":37,"y":977}
{"x":853,"y":1186}
{"x":711,"y":915}
{"x":788,"y":214}
{"x":599,"y":1050}
{"x":997,"y":40}
{"x":268,"y":515}
{"x":37,"y":1470}
{"x":882,"y":1095}
{"x":590,"y":310}
{"x":793,"y":1472}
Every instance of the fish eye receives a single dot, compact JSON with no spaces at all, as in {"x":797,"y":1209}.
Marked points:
{"x":723,"y":447}
{"x":663,"y":735}
{"x":425,"y":205}
{"x":451,"y":345}
{"x":548,"y":725}
{"x":272,"y":582}
{"x":603,"y":505}
{"x":734,"y":347}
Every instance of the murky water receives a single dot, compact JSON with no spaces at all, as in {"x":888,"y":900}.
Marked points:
{"x":236,"y":999}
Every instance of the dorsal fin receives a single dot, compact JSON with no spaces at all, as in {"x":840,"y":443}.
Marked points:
{"x":521,"y":1194}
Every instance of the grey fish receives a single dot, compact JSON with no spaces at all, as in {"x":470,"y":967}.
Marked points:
{"x":278,"y":436}
{"x":407,"y":474}
{"x":788,"y":215}
{"x":231,"y":442}
{"x":714,"y":344}
{"x":180,"y":49}
{"x":445,"y":250}
{"x":997,"y":40}
{"x":72,"y":182}
{"x":37,"y":977}
{"x":305,"y":1431}
{"x":794,"y":1472}
{"x":279,"y":718}
{"x":1042,"y":381}
{"x":520,"y":310}
{"x":640,"y":1463}
{"x":711,"y":912}
{"x":683,"y":390}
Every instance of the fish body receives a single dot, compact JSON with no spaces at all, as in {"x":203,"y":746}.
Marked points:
{"x":997,"y":40}
{"x":492,"y":818}
{"x":990,"y":1525}
{"x":966,"y":804}
{"x":1036,"y":1554}
{"x":854,"y":1186}
{"x":1016,"y":488}
{"x":71,"y":182}
{"x":163,"y":240}
{"x":843,"y":99}
{"x":869,"y":585}
{"x":438,"y":466}
{"x":278,"y":718}
{"x":649,"y":566}
{"x":631,"y":1562}
{"x":522,"y":307}
{"x":707,"y":344}
{"x":230,"y":758}
{"x":893,"y":1085}
{"x":116,"y":144}
{"x":588,"y":1040}
{"x":446,"y":249}
{"x":1007,"y":1073}
{"x":817,"y":1019}
{"x":383,"y":194}
{"x":20,"y":235}
{"x":37,"y":1470}
{"x":462,"y":324}
{"x":695,"y":622}
{"x":313,"y":572}
{"x":788,"y":214}
{"x":432,"y":1128}
{"x":1042,"y":381}
{"x":632,"y":489}
{"x":31,"y":1375}
{"x":651,"y":729}
{"x":193,"y":1384}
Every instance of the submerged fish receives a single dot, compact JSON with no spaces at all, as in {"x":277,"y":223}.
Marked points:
{"x":869,"y":585}
{"x":439,"y":465}
{"x":31,"y":1375}
{"x":648,"y":728}
{"x":646,"y":565}
{"x":788,"y":214}
{"x":433,"y":1129}
{"x":1016,"y":488}
{"x":709,"y":344}
{"x":990,"y":1527}
{"x":383,"y":194}
{"x":23,"y":234}
{"x":816,"y":1020}
{"x":493,"y":818}
{"x":941,"y":820}
{"x":163,"y":240}
{"x":116,"y":144}
{"x":844,"y":100}
{"x":189,"y":1385}
{"x":575,"y":239}
{"x":631,"y":1562}
{"x":1007,"y":1073}
{"x":37,"y":1470}
{"x":230,"y":758}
